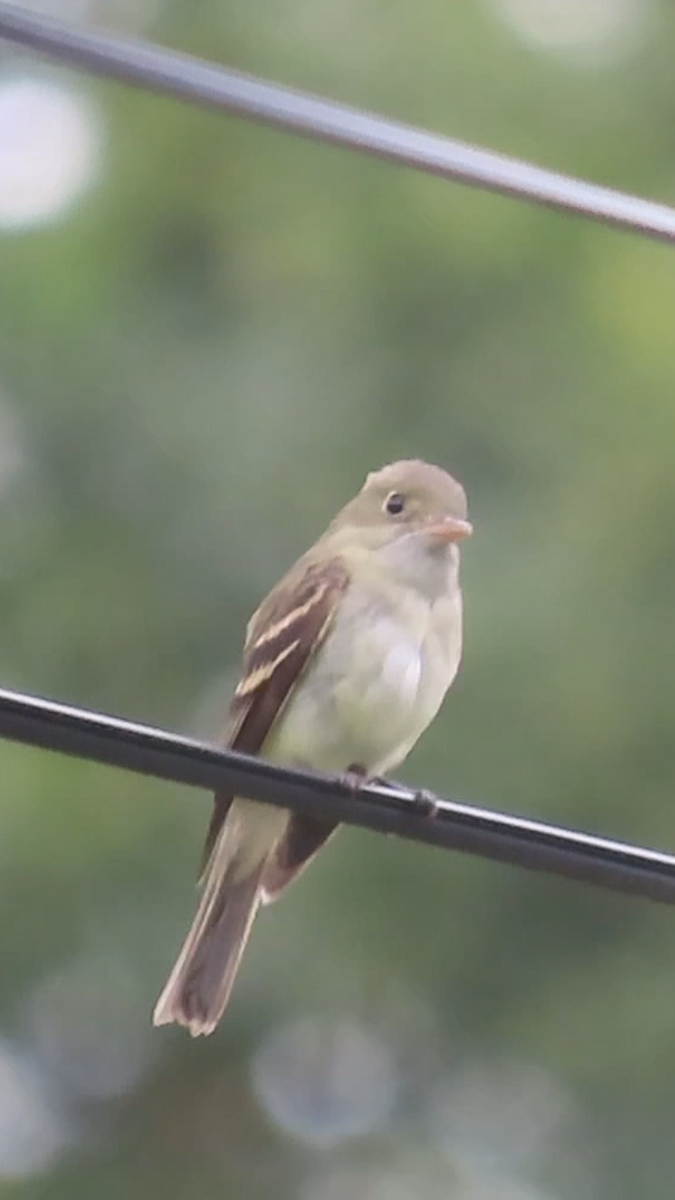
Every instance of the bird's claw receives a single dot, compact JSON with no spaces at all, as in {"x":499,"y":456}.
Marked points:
{"x":425,"y":803}
{"x":422,"y":802}
{"x":353,"y":779}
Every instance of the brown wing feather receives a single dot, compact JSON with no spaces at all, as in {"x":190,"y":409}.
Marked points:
{"x":281,"y":637}
{"x":303,"y":837}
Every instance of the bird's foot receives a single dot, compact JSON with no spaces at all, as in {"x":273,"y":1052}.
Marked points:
{"x":421,"y":801}
{"x":353,"y":778}
{"x":425,"y":803}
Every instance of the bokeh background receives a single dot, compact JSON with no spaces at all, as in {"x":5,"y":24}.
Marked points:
{"x":209,"y":332}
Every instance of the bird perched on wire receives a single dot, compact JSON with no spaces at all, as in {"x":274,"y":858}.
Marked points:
{"x":345,"y":664}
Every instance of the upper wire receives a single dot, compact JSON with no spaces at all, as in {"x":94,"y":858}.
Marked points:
{"x":153,"y":67}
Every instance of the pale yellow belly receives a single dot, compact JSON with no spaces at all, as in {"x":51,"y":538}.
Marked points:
{"x":374,"y":687}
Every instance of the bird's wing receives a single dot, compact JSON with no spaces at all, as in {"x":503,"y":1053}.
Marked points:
{"x":281,"y":638}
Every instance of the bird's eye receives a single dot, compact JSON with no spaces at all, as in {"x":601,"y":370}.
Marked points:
{"x":395,"y":503}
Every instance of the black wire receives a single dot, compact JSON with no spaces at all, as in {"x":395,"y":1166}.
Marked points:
{"x":145,"y":65}
{"x":383,"y":807}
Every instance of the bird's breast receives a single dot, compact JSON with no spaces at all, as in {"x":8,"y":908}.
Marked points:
{"x":374,"y":685}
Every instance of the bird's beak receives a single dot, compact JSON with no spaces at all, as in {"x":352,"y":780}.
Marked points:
{"x":452,"y":529}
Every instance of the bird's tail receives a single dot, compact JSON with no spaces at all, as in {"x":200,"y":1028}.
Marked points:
{"x":201,"y":981}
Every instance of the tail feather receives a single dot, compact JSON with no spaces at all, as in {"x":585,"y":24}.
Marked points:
{"x":200,"y":983}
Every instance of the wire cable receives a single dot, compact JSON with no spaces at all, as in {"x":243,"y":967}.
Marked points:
{"x":382,"y":806}
{"x":197,"y":81}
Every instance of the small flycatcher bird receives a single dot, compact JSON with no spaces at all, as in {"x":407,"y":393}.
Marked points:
{"x":345,"y":664}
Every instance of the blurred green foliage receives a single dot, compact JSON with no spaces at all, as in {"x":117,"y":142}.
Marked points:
{"x":198,"y":365}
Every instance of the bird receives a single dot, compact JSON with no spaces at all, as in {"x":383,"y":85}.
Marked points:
{"x":345,"y":664}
